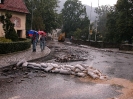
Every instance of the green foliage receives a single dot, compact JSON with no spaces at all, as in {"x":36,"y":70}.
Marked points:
{"x":8,"y":27}
{"x":44,"y":15}
{"x":74,"y":16}
{"x":102,"y":12}
{"x":38,"y":23}
{"x":112,"y":35}
{"x":12,"y":35}
{"x":2,"y":39}
{"x":59,"y":20}
{"x":77,"y":34}
{"x":124,"y":19}
{"x":10,"y":47}
{"x":120,"y":22}
{"x":85,"y":33}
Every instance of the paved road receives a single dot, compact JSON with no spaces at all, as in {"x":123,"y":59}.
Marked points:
{"x":39,"y":85}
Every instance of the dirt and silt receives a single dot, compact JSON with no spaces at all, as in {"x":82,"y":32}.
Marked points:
{"x":23,"y":83}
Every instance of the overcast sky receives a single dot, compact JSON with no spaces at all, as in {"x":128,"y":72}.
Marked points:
{"x":101,"y":2}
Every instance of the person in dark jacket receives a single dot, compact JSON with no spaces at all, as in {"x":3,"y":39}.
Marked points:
{"x":34,"y":40}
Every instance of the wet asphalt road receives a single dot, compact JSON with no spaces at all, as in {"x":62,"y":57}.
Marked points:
{"x":40,"y":85}
{"x":55,"y":86}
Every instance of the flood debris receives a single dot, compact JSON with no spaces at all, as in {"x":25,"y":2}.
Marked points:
{"x":69,"y":54}
{"x":69,"y":58}
{"x":9,"y":81}
{"x":77,"y":70}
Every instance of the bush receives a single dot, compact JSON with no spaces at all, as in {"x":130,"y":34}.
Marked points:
{"x":13,"y":35}
{"x":8,"y":27}
{"x":10,"y":47}
{"x":22,"y":39}
{"x":2,"y":39}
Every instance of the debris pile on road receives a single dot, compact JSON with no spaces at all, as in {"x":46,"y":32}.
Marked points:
{"x":68,"y":58}
{"x":77,"y":70}
{"x":69,"y":54}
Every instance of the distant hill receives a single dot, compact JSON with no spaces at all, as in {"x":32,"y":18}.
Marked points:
{"x":88,"y":9}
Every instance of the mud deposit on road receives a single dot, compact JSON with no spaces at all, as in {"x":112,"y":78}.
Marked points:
{"x":23,"y":83}
{"x":125,"y":87}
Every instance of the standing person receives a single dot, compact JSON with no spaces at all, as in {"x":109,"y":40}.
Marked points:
{"x":37,"y":38}
{"x":42,"y":42}
{"x":34,"y":40}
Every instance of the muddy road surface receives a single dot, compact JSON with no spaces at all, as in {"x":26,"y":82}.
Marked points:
{"x":35,"y":84}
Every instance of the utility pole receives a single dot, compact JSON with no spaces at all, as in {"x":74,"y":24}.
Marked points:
{"x":31,"y":13}
{"x":98,"y":3}
{"x":96,"y":25}
{"x":89,"y":35}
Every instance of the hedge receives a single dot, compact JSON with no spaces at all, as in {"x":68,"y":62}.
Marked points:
{"x":10,"y":47}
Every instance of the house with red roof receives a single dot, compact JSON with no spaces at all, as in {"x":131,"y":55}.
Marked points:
{"x":18,"y":10}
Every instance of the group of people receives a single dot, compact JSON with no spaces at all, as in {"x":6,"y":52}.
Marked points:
{"x":35,"y":39}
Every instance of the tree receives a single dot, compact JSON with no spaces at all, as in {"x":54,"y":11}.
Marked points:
{"x":112,"y":35}
{"x":59,"y":20}
{"x":125,"y":19}
{"x":77,"y":34}
{"x":85,"y":22}
{"x":8,"y":27}
{"x":120,"y":22}
{"x":74,"y":17}
{"x":102,"y":19}
{"x":44,"y":14}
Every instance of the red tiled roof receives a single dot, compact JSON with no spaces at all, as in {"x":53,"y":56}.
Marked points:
{"x":14,"y":5}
